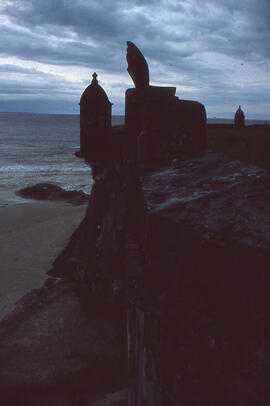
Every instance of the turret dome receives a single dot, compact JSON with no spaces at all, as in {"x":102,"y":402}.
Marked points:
{"x":95,"y":115}
{"x":94,"y":93}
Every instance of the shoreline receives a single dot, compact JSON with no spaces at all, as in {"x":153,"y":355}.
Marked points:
{"x":54,"y":349}
{"x":33,"y":234}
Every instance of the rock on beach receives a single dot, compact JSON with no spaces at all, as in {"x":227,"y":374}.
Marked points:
{"x":49,"y":191}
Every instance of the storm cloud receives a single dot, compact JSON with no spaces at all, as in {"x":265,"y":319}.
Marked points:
{"x":215,"y":51}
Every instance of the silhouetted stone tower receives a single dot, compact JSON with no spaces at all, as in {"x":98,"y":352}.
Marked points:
{"x":95,"y":114}
{"x":239,"y":118}
{"x":158,"y":125}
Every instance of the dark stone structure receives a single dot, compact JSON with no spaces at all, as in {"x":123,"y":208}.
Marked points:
{"x":239,"y":118}
{"x":158,"y":126}
{"x":155,"y":117}
{"x":183,"y":249}
{"x":186,"y":247}
{"x":137,"y":66}
{"x":95,"y":115}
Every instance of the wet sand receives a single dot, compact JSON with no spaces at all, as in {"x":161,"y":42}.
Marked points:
{"x":32,"y":235}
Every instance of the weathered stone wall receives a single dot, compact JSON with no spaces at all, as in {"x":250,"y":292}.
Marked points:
{"x":175,"y":127}
{"x":198,"y":329}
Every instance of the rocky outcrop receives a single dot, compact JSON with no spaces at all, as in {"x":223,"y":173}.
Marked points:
{"x":49,"y":191}
{"x":185,"y":249}
{"x":198,"y":318}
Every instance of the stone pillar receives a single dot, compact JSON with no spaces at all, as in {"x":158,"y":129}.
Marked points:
{"x":153,"y":105}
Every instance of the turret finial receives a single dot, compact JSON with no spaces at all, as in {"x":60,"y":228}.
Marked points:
{"x":94,"y":80}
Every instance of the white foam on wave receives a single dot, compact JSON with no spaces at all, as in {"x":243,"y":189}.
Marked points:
{"x":43,"y":168}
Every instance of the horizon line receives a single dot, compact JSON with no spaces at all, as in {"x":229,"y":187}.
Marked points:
{"x":122,"y":115}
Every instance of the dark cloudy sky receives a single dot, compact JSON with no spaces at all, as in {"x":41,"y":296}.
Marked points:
{"x":216,"y":52}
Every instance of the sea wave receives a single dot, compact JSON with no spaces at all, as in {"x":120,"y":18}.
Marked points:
{"x":43,"y":168}
{"x":40,"y":148}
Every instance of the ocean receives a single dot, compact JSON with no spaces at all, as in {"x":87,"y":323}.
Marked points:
{"x":38,"y":148}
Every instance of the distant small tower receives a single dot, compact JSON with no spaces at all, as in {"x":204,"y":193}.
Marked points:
{"x":95,"y":114}
{"x":239,"y":118}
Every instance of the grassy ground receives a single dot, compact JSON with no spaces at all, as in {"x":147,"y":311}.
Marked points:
{"x":250,"y":144}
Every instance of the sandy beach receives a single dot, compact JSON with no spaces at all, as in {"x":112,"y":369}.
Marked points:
{"x":32,"y":235}
{"x":51,"y":350}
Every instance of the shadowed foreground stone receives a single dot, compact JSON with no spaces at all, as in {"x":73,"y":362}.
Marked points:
{"x":196,"y":273}
{"x":113,"y":399}
{"x":54,"y":351}
{"x":199,"y":311}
